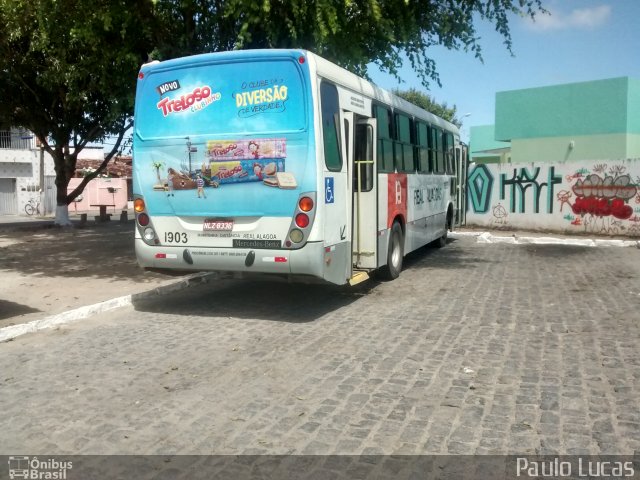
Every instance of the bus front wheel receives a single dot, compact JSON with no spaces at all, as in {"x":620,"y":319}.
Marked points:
{"x":395,"y":253}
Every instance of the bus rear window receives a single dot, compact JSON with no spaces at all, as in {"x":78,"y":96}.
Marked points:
{"x":217,"y":99}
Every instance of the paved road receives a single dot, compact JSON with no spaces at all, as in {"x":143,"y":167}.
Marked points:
{"x":474,"y":349}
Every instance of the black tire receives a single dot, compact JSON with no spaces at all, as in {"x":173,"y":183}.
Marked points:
{"x":28,"y":208}
{"x":395,"y":253}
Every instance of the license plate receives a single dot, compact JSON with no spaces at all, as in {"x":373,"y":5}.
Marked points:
{"x":217,"y":224}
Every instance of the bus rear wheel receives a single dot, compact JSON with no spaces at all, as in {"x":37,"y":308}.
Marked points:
{"x":395,"y":253}
{"x":442,"y":241}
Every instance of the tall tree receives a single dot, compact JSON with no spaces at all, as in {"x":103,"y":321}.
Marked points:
{"x":426,"y":101}
{"x":69,"y":66}
{"x":68,"y":74}
{"x":352,"y":33}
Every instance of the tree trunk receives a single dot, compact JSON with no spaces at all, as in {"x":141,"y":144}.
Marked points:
{"x":62,"y":216}
{"x":62,"y":182}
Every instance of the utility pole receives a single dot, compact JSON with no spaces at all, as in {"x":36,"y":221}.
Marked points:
{"x":43,"y":195}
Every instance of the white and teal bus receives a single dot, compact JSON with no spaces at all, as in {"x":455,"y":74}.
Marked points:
{"x":281,"y":162}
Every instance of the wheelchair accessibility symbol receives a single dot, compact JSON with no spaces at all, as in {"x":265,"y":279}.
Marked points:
{"x":328,"y":190}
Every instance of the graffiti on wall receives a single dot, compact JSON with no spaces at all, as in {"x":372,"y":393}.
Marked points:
{"x":480,"y":188}
{"x":500,"y":215}
{"x":601,"y":199}
{"x":521,"y":180}
{"x":514,"y":189}
{"x":592,"y":197}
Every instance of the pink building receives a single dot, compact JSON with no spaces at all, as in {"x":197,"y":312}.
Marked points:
{"x":109,"y":192}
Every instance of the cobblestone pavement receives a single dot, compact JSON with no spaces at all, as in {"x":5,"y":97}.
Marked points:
{"x":474,"y":349}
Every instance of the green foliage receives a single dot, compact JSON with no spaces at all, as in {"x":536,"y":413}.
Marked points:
{"x":69,"y":66}
{"x":352,"y":33}
{"x":69,"y":71}
{"x":425,"y":101}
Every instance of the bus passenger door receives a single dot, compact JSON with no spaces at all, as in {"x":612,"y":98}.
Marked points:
{"x":365,"y":212}
{"x":337,"y":207}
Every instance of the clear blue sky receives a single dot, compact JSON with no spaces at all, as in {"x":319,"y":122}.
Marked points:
{"x":580,"y":40}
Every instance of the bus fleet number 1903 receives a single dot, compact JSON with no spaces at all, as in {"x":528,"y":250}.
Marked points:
{"x":175,"y":237}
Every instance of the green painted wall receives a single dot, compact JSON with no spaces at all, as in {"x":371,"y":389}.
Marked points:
{"x":486,"y":159}
{"x":633,"y":121}
{"x":483,"y":137}
{"x":633,"y":146}
{"x":556,"y":149}
{"x":601,"y":118}
{"x":587,"y":108}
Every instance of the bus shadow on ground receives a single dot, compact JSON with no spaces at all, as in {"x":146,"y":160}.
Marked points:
{"x":273,"y":298}
{"x":452,"y":256}
{"x":262,"y":299}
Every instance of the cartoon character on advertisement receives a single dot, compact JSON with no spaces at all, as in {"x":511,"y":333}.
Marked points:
{"x":253,"y":149}
{"x":170,"y":178}
{"x":200,"y":185}
{"x":257,"y":170}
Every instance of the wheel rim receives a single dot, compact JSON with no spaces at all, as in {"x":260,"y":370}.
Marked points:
{"x":395,"y":253}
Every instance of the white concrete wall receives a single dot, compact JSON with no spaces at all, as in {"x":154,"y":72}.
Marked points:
{"x":24,"y":167}
{"x":599,"y":197}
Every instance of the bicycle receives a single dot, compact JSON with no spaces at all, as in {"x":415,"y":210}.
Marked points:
{"x":32,"y":206}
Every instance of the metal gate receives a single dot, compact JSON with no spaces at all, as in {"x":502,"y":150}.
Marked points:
{"x":49,"y":195}
{"x":8,"y":196}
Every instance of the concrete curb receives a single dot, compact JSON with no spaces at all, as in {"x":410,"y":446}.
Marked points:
{"x":13,"y":331}
{"x":486,"y":237}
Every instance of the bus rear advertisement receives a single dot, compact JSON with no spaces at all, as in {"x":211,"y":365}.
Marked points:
{"x":274,"y":161}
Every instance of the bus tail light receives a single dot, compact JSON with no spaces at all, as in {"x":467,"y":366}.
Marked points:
{"x":144,"y":222}
{"x":302,"y":220}
{"x":296,"y":235}
{"x":138,"y":205}
{"x":143,"y":219}
{"x":305,"y":204}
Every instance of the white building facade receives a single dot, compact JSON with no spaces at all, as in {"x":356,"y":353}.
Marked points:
{"x":26,"y":173}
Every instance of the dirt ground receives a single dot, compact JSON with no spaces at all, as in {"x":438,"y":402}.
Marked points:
{"x":45,"y":270}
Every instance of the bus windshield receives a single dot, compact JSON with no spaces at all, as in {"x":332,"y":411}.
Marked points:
{"x":232,"y":130}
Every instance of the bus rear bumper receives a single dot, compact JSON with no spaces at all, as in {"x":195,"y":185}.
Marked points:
{"x":306,"y":261}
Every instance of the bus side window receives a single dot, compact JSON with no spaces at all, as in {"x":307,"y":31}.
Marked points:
{"x":330,"y":125}
{"x":422,"y":148}
{"x":363,"y":146}
{"x":402,"y":145}
{"x":385,"y":143}
{"x":437,"y":150}
{"x":433,"y":149}
{"x":448,"y":145}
